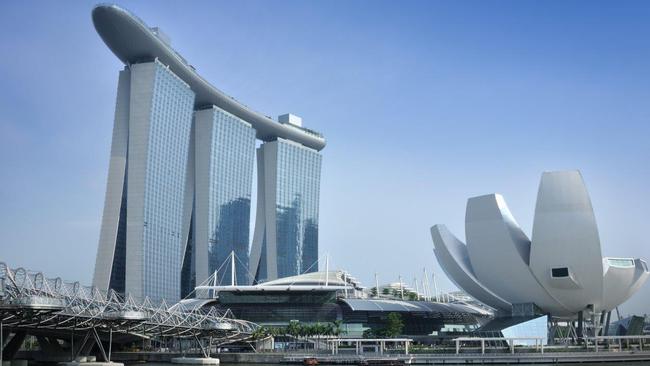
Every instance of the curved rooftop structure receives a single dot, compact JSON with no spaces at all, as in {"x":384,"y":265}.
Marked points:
{"x":132,"y":41}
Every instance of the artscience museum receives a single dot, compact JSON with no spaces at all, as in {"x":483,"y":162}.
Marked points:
{"x":559,"y":271}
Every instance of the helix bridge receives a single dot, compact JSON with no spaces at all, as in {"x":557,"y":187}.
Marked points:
{"x":52,"y":309}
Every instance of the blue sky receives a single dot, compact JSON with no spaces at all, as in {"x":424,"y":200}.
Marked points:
{"x":423,"y":104}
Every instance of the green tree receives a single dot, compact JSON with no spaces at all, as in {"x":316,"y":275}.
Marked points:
{"x":373,"y":292}
{"x":394,"y":325}
{"x":293,"y":329}
{"x":368,"y":333}
{"x":386,"y":291}
{"x":319,"y":331}
{"x":329,"y":329}
{"x":338,"y":328}
{"x":260,"y":333}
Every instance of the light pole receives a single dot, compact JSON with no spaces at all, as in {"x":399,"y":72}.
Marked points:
{"x":401,"y":287}
{"x":376,"y":285}
{"x":435,"y":286}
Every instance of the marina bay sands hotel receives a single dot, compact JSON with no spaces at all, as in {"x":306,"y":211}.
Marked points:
{"x":178,"y":197}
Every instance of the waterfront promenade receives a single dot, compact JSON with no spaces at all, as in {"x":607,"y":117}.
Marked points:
{"x":420,"y":359}
{"x":477,"y":358}
{"x":550,"y":357}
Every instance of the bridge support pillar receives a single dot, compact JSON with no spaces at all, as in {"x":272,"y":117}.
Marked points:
{"x":90,"y":339}
{"x":10,"y":350}
{"x":49,"y":345}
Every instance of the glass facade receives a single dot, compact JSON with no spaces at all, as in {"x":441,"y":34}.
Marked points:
{"x":286,"y":235}
{"x":297,"y":199}
{"x":279,"y":308}
{"x":621,"y":262}
{"x":534,"y":328}
{"x":232,"y":153}
{"x":170,"y":123}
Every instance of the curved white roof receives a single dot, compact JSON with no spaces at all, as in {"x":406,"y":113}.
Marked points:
{"x":132,"y":41}
{"x":333,"y":278}
{"x":411,"y":306}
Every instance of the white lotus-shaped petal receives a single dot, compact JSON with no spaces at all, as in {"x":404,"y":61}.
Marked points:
{"x":452,"y":255}
{"x":623,"y":277}
{"x":499,"y":252}
{"x":561,"y":270}
{"x":565,"y":235}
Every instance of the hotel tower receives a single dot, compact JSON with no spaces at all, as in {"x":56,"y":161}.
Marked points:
{"x":178,"y":197}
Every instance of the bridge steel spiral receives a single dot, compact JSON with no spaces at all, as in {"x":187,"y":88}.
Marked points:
{"x":34,"y":304}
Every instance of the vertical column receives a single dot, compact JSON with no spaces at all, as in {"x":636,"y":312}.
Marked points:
{"x":107,"y":259}
{"x":580,"y":324}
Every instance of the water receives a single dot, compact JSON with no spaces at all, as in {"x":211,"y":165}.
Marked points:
{"x":640,"y":363}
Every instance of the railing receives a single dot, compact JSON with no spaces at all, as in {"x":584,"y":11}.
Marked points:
{"x":632,"y":340}
{"x":539,"y":342}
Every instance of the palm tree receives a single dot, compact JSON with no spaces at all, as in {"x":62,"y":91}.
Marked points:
{"x":260,"y":333}
{"x":321,"y":330}
{"x":338,"y":330}
{"x":329,"y":329}
{"x":293,"y":329}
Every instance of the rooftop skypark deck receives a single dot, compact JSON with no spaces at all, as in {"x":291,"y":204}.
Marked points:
{"x":132,"y":41}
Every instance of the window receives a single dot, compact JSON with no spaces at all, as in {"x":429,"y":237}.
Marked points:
{"x":560,"y":272}
{"x":620,"y":262}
